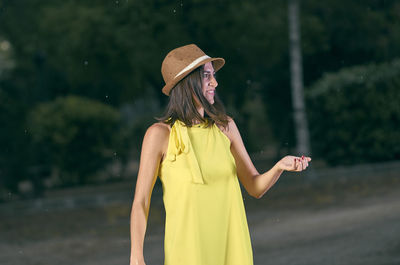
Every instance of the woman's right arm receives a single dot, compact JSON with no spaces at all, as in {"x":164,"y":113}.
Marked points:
{"x":154,"y":145}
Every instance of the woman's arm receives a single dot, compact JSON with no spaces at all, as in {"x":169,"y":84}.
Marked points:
{"x":257,"y":184}
{"x":154,"y":143}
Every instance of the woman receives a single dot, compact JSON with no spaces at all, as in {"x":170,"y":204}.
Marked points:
{"x":198,"y":154}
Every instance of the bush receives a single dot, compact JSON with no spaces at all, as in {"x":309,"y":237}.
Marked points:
{"x":14,"y":158}
{"x":75,"y":135}
{"x":354,"y":114}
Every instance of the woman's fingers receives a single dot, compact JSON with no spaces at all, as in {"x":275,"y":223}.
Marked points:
{"x":305,"y":163}
{"x":294,"y":163}
{"x":299,"y":164}
{"x":302,"y":162}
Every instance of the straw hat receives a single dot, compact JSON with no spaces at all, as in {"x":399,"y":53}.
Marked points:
{"x":181,"y":61}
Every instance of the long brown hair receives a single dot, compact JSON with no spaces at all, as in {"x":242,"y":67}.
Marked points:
{"x":181,"y":105}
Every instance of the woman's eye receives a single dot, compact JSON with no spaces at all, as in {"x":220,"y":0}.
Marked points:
{"x":208,"y":76}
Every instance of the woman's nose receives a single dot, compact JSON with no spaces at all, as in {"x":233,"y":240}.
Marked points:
{"x":213,"y":82}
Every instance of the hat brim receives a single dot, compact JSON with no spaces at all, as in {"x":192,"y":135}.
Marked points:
{"x":217,"y":64}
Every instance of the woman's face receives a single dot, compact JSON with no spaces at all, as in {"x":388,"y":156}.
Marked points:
{"x":209,"y":83}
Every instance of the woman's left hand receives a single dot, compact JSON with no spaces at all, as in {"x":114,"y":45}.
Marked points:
{"x":294,"y":163}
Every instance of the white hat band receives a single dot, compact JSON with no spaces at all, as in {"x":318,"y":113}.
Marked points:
{"x":193,"y":64}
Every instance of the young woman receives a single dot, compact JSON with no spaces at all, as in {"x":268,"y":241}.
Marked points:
{"x":197,"y":152}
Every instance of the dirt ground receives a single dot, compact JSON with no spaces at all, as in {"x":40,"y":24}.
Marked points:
{"x":363,"y":229}
{"x":365,"y":232}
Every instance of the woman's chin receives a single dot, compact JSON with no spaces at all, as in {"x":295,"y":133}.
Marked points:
{"x":210,"y":100}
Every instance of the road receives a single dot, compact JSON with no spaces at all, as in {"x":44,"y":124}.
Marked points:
{"x":366,"y":231}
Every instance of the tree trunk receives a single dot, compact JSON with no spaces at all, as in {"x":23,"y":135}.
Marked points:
{"x":296,"y":72}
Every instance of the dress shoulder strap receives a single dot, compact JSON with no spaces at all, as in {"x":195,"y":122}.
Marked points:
{"x":179,"y":145}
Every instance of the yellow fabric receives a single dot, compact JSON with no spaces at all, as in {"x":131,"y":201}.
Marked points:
{"x":206,"y":222}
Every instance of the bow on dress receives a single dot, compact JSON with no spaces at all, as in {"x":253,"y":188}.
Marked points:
{"x":180,"y":145}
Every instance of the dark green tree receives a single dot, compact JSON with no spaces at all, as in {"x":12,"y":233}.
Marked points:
{"x":111,"y":51}
{"x":75,"y":136}
{"x":355,"y":114}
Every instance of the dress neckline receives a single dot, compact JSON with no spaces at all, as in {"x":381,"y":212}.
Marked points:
{"x":202,"y":125}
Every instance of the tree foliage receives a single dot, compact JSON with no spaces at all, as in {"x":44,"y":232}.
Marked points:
{"x":354,"y":114}
{"x":74,"y":134}
{"x":111,"y":51}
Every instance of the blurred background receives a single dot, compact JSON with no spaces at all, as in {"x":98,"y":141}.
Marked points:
{"x":80,"y":82}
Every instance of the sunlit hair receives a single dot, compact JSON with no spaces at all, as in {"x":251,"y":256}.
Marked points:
{"x":181,"y":105}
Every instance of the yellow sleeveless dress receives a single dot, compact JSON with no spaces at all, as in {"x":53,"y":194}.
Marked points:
{"x":205,"y":222}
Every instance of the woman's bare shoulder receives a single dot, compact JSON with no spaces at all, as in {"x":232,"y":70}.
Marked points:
{"x":159,"y":130}
{"x":156,"y":139}
{"x":159,"y":133}
{"x":231,"y":124}
{"x":228,"y":130}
